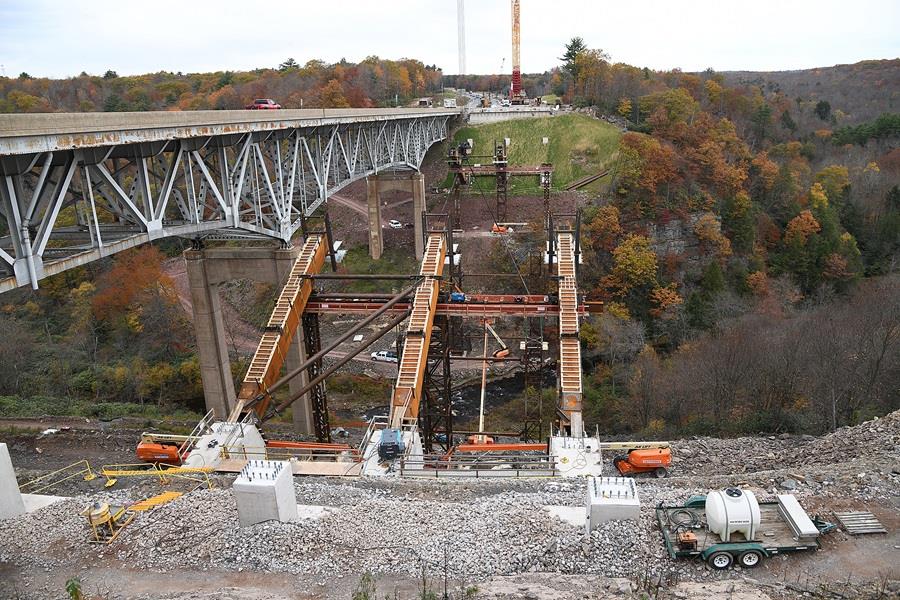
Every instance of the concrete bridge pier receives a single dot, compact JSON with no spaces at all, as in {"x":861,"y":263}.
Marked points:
{"x":207,"y":269}
{"x":414,"y":183}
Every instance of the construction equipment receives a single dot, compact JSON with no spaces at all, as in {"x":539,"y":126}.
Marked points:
{"x":688,"y":531}
{"x":106,"y":521}
{"x":644,"y":460}
{"x":391,"y":445}
{"x":503,"y":352}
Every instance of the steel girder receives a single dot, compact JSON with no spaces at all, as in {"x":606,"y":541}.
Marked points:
{"x":64,"y":208}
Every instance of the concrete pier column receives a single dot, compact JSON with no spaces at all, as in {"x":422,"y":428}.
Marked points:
{"x":212,"y":345}
{"x":207,"y":269}
{"x":418,"y":190}
{"x":11,"y":503}
{"x":373,"y":200}
{"x":412,"y":182}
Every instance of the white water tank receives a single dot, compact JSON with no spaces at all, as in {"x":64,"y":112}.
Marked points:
{"x":732,"y":511}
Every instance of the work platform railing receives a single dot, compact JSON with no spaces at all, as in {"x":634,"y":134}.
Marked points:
{"x":488,"y":465}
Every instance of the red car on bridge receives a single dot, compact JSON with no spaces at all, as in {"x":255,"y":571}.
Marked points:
{"x":263,"y":104}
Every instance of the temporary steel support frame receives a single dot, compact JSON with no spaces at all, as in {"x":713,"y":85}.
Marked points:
{"x":261,"y":183}
{"x":502,"y":179}
{"x":436,"y":409}
{"x":533,"y":361}
{"x":312,"y":340}
{"x":463,"y":174}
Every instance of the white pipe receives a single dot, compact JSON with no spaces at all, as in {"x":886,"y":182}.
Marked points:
{"x":484,"y":365}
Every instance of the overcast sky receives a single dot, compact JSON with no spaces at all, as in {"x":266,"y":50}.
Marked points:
{"x":60,"y":38}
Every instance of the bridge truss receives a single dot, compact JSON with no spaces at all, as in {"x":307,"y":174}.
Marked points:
{"x":72,"y":196}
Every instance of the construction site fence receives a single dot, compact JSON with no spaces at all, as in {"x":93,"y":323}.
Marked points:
{"x":162,"y":471}
{"x":43,"y":483}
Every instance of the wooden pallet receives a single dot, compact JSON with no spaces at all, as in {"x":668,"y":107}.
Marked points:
{"x":860,"y":522}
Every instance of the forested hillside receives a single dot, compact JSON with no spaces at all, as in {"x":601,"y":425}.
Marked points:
{"x":746,"y":246}
{"x":747,"y":251}
{"x":373,"y":82}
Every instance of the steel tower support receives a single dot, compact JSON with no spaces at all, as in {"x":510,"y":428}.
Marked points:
{"x":319,"y":400}
{"x":436,"y":411}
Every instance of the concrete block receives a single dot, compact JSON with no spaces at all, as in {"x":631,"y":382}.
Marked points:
{"x":611,"y":499}
{"x":11,"y":503}
{"x":577,"y":456}
{"x":264,"y":491}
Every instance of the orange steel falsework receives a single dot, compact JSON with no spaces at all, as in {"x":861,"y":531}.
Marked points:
{"x":411,"y":372}
{"x":273,"y":347}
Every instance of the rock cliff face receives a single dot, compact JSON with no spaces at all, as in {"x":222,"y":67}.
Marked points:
{"x":675,"y":237}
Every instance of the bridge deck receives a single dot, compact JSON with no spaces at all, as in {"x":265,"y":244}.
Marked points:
{"x":28,"y":133}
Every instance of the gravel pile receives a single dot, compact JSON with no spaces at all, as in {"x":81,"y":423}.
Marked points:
{"x":473,"y":529}
{"x":487,"y":530}
{"x":861,"y":461}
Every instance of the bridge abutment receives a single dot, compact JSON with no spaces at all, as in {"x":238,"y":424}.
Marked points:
{"x":385,"y":182}
{"x":207,"y":269}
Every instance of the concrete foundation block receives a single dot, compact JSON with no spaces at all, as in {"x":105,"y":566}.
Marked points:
{"x":11,"y":503}
{"x":611,"y":499}
{"x":264,"y":491}
{"x":577,"y":456}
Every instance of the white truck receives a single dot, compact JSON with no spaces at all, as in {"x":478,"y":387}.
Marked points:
{"x":449,"y":102}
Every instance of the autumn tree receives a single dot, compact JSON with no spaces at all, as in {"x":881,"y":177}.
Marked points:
{"x":573,"y":49}
{"x":332,"y":95}
{"x":624,"y":107}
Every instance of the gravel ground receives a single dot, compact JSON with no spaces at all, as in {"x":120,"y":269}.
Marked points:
{"x":473,"y":530}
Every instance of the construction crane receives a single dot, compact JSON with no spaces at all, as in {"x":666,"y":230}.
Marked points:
{"x":515,"y":93}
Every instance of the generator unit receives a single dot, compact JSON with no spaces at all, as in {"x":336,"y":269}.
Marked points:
{"x":391,"y":445}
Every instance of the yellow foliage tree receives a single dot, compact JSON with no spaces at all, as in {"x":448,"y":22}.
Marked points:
{"x":800,"y":228}
{"x":835,"y":179}
{"x":664,"y":300}
{"x":634,"y":262}
{"x":709,"y":231}
{"x":817,"y":197}
{"x":625,"y":107}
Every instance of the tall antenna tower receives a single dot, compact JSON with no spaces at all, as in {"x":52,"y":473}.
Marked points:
{"x":461,"y":34}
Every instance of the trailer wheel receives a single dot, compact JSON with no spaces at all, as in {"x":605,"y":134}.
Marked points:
{"x":720,"y":560}
{"x":660,"y":472}
{"x":750,"y":559}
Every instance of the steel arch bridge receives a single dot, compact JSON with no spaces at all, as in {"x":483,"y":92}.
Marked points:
{"x":78,"y":187}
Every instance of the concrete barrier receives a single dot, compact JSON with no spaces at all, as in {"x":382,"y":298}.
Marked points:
{"x":11,"y":503}
{"x":480,"y":116}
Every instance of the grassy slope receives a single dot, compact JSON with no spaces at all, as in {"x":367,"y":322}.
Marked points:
{"x":579,"y":145}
